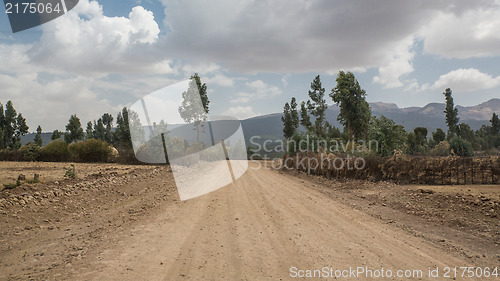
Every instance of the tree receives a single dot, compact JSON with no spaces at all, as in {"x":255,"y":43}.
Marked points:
{"x":420,"y":135}
{"x":317,"y":105}
{"x":412,"y":144}
{"x":89,"y":132}
{"x":466,"y":133}
{"x":451,"y":114}
{"x":495,"y":124}
{"x":460,"y":146}
{"x":56,"y":134}
{"x":122,"y":132}
{"x":12,"y":127}
{"x":354,"y":109}
{"x":10,"y":123}
{"x":99,"y":130}
{"x":74,"y":131}
{"x":107,"y":121}
{"x":332,"y":132}
{"x":288,"y":122}
{"x":38,"y":137}
{"x":135,"y":134}
{"x":388,"y":135}
{"x":438,"y":136}
{"x":190,"y":110}
{"x":21,"y":129}
{"x":305,"y":119}
{"x":295,"y":114}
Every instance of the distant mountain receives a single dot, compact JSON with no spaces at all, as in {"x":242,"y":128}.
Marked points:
{"x":31,"y":137}
{"x":430,"y":116}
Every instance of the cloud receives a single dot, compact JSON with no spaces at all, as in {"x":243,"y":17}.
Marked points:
{"x":259,"y":90}
{"x":86,"y":41}
{"x":398,"y":64}
{"x":466,"y":80}
{"x":472,"y":33}
{"x":200,"y":68}
{"x":240,"y":112}
{"x":54,"y":101}
{"x":292,"y":35}
{"x":221,"y":80}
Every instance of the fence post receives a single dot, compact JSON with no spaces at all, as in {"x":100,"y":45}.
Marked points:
{"x":472,"y":171}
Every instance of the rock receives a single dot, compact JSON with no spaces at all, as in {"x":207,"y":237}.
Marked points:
{"x":426,"y":191}
{"x":21,"y":177}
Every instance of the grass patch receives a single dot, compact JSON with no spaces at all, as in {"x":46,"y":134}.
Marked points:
{"x":35,"y":180}
{"x":11,"y":185}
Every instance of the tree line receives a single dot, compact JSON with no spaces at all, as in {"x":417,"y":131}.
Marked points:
{"x":12,"y":127}
{"x":359,"y":124}
{"x":107,"y":130}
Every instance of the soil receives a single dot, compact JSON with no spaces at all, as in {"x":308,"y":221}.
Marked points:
{"x":119,"y":222}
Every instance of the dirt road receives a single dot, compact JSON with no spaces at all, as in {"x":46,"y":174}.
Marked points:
{"x":265,"y":226}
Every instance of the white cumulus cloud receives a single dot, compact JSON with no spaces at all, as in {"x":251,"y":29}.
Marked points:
{"x":240,"y":112}
{"x":258,"y":90}
{"x":465,"y":80}
{"x":472,"y":33}
{"x":85,"y":41}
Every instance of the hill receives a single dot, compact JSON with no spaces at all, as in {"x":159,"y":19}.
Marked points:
{"x":430,"y":116}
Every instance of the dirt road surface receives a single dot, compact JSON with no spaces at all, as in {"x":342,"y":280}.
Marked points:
{"x":267,"y":225}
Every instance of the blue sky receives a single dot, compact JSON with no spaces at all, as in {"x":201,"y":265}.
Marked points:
{"x":253,"y":55}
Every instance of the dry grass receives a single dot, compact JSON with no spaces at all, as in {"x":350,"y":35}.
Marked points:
{"x":49,"y":172}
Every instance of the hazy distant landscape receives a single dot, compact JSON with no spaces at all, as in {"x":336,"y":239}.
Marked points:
{"x":429,"y":116}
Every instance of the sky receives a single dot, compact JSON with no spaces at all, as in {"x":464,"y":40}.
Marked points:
{"x":253,"y":55}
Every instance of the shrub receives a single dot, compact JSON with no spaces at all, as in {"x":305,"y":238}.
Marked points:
{"x":11,"y":185}
{"x":31,"y":152}
{"x":70,"y":172}
{"x":92,"y":150}
{"x":126,"y":156}
{"x":461,"y":147}
{"x":11,"y":155}
{"x":441,"y":149}
{"x":55,"y":151}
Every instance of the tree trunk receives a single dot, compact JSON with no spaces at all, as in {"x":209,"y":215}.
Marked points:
{"x":349,"y":129}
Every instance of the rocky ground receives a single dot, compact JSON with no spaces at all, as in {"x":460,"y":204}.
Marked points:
{"x":463,"y":217}
{"x":48,"y":226}
{"x":118,"y":222}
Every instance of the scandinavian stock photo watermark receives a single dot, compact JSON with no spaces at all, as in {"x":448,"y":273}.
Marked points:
{"x":462,"y":272}
{"x":335,"y":154}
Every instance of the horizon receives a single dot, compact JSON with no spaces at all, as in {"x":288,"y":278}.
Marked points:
{"x":329,"y":106}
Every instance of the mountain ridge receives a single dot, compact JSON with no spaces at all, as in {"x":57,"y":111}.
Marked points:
{"x":430,"y":116}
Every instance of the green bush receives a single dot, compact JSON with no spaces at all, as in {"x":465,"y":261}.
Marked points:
{"x":441,"y":149}
{"x":461,"y":147}
{"x":11,"y":155}
{"x":70,"y":172}
{"x":55,"y":151}
{"x":31,"y":152}
{"x":92,"y":150}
